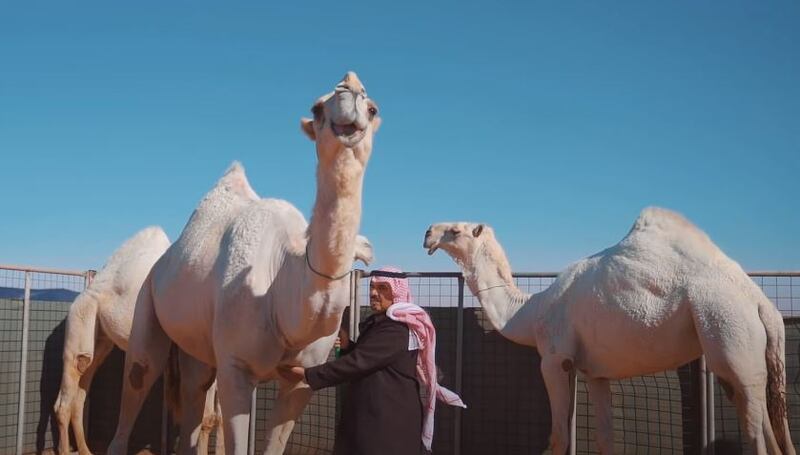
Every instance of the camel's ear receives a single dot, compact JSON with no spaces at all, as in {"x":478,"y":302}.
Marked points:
{"x":307,"y":125}
{"x":363,"y":250}
{"x":477,"y":230}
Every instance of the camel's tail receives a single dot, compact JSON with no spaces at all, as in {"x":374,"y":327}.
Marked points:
{"x":172,"y":382}
{"x":776,"y":375}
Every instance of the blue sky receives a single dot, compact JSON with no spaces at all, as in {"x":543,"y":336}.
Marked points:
{"x":555,"y":122}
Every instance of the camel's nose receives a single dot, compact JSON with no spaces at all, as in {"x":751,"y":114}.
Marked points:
{"x":428,"y":234}
{"x":351,"y":82}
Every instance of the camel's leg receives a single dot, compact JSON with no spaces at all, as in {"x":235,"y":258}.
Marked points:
{"x":102,"y":348}
{"x":600,"y":395}
{"x":79,"y":347}
{"x":148,"y":350}
{"x":195,"y":384}
{"x":212,"y":419}
{"x":235,"y":388}
{"x":753,"y":419}
{"x":558,"y":380}
{"x":219,"y":448}
{"x":292,"y":399}
{"x":208,"y":421}
{"x":734,"y":344}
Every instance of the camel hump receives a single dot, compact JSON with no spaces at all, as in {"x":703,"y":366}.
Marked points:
{"x":658,"y":219}
{"x":661,"y":218}
{"x":236,"y":181}
{"x":656,"y":224}
{"x":151,"y":235}
{"x":150,"y":240}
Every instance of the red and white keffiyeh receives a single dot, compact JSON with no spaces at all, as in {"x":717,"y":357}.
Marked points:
{"x":419,"y":322}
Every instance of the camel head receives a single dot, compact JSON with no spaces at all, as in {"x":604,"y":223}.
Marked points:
{"x":459,"y":240}
{"x":363,"y":251}
{"x":472,"y":246}
{"x":345,"y":119}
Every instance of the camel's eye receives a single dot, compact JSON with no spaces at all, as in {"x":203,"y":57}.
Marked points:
{"x":373,"y":111}
{"x":317,"y":111}
{"x":455,"y":231}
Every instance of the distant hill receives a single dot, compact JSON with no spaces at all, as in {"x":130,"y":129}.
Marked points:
{"x":48,"y":295}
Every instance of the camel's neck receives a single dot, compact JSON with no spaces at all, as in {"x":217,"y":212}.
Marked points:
{"x":489,"y":278}
{"x":335,"y":219}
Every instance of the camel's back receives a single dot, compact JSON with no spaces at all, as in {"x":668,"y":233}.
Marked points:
{"x":192,"y":256}
{"x":117,"y":285}
{"x":651,"y":271}
{"x":657,"y":229}
{"x":128,"y":266}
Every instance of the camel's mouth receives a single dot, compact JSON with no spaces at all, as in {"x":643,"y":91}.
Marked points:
{"x":432,"y":250}
{"x":349,"y":135}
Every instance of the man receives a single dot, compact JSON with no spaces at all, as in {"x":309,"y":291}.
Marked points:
{"x":392,"y":362}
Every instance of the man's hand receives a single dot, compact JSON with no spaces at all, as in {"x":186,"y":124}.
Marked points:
{"x":343,"y":340}
{"x":292,"y":374}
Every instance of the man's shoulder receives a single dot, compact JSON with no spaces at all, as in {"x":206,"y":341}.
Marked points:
{"x":383,"y":323}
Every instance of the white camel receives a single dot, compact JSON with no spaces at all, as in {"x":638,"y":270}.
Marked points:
{"x":658,"y":299}
{"x":249,"y":286}
{"x":99,"y":319}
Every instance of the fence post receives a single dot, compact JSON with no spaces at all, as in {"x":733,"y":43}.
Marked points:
{"x":703,"y":379}
{"x":164,"y":416}
{"x":23,"y":363}
{"x":710,"y":427}
{"x":459,"y":364}
{"x":88,"y":277}
{"x":573,"y":421}
{"x":355,"y":310}
{"x":251,"y":434}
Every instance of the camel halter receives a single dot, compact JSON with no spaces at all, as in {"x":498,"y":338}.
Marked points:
{"x":492,"y":287}
{"x":330,"y":277}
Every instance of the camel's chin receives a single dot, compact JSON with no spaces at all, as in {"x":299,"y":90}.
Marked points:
{"x":348,"y":135}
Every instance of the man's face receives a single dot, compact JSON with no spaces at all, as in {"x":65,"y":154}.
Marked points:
{"x":380,"y":296}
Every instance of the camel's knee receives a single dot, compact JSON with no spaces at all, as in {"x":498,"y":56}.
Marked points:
{"x":137,"y":374}
{"x":210,"y":422}
{"x":82,"y":362}
{"x":728,"y":389}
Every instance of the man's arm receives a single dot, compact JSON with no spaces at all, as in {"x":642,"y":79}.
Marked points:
{"x":380,"y":348}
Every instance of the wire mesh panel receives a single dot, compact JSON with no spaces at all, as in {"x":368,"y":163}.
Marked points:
{"x":315,"y":430}
{"x":793,"y":377}
{"x":104,"y":405}
{"x":51,"y":297}
{"x":12,"y":284}
{"x":647,"y":412}
{"x":782,"y":289}
{"x":508,"y":409}
{"x":500,"y":381}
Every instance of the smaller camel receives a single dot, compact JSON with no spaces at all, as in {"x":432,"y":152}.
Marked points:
{"x":661,"y":297}
{"x":100,"y":318}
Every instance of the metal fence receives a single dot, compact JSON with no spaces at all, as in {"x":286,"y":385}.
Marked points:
{"x":33,"y":305}
{"x":679,"y":411}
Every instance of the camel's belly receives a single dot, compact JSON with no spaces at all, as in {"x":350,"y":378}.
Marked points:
{"x":613,"y":346}
{"x":185,"y":311}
